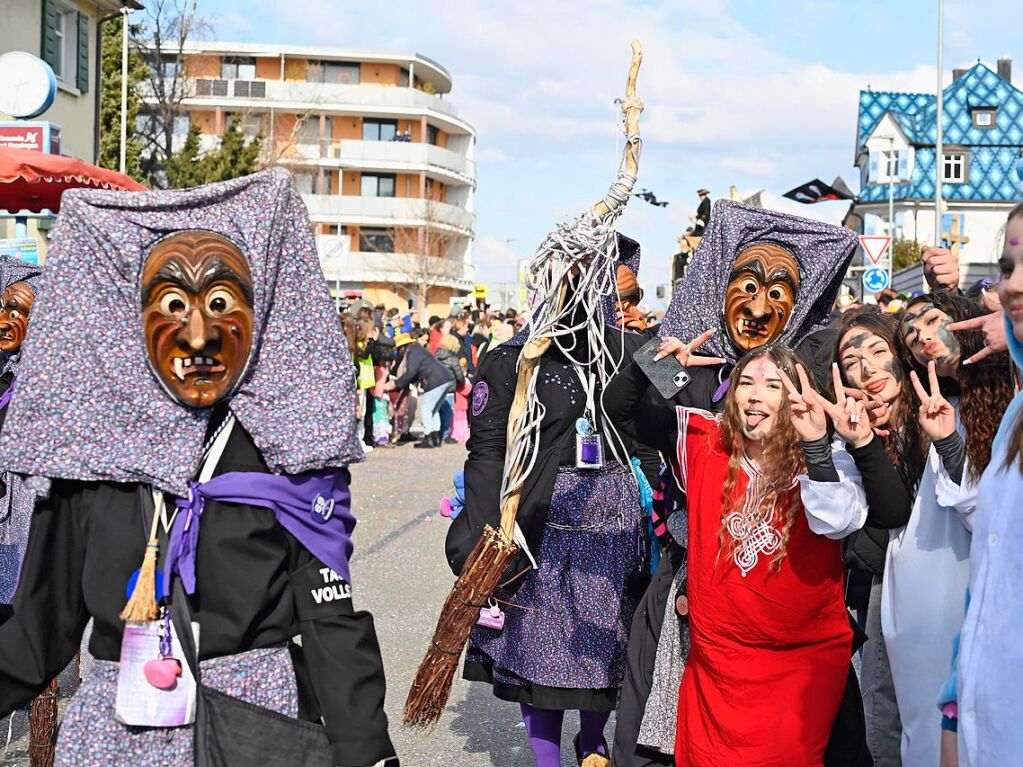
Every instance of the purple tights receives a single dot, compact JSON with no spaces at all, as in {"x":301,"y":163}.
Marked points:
{"x":543,"y":725}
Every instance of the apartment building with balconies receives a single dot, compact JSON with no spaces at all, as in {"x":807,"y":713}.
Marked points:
{"x":382,"y":160}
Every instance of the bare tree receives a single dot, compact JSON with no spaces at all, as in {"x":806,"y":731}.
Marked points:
{"x":424,"y":256}
{"x":165,"y":29}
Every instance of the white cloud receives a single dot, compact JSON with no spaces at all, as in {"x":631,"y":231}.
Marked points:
{"x":538,"y":80}
{"x":495,"y":260}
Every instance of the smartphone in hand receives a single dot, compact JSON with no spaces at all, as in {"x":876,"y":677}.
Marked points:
{"x":668,"y":375}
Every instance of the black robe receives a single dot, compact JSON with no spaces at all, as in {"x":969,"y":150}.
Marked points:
{"x":254,"y":583}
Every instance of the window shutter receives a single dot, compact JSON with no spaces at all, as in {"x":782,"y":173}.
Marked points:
{"x":873,"y":175}
{"x":48,"y":46}
{"x":904,"y":164}
{"x":82,"y":75}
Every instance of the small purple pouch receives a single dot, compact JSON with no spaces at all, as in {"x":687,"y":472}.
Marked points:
{"x":491,"y":618}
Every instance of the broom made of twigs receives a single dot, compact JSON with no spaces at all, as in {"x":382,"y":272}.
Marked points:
{"x":495,"y":549}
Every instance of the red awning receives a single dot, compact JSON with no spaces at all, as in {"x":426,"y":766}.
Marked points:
{"x":34,"y":182}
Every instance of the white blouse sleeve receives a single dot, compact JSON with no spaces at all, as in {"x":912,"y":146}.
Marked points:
{"x":835,"y":509}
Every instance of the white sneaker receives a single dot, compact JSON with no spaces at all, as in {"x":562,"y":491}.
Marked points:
{"x":367,"y":449}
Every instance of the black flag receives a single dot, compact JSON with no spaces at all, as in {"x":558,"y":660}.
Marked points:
{"x":648,"y":196}
{"x":816,"y":191}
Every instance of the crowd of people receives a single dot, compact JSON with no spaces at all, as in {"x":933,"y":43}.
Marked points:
{"x":405,"y":367}
{"x":776,"y":529}
{"x":823,"y":490}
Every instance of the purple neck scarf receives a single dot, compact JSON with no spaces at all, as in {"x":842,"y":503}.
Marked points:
{"x":314,"y":507}
{"x":6,"y":396}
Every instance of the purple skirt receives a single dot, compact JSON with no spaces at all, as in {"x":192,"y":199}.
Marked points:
{"x":568,"y":623}
{"x":91,"y":736}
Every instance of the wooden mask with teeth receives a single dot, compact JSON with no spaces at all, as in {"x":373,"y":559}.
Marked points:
{"x":16,"y":304}
{"x":197,"y":315}
{"x":762,"y":289}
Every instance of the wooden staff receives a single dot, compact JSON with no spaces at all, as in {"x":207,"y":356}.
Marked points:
{"x":42,"y":727}
{"x":490,"y":557}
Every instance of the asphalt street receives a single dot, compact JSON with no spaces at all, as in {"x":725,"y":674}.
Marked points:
{"x":399,"y":574}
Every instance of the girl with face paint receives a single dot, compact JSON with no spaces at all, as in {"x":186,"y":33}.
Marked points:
{"x":943,"y":419}
{"x":866,"y":361}
{"x":767,"y":501}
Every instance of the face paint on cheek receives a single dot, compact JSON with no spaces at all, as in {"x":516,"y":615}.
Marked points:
{"x":951,"y":344}
{"x":893,"y":369}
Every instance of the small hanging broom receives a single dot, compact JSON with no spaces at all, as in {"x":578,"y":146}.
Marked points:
{"x":496,"y":548}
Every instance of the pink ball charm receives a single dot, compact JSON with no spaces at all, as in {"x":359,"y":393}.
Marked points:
{"x":162,"y":673}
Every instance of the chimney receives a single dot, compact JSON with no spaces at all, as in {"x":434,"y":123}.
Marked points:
{"x":1005,"y":69}
{"x":957,"y":73}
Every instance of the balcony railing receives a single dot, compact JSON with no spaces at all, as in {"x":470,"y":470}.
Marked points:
{"x":340,"y":265}
{"x":366,"y":98}
{"x":388,"y":212}
{"x":379,"y":155}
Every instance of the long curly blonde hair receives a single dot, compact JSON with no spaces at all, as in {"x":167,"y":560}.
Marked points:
{"x":782,"y":458}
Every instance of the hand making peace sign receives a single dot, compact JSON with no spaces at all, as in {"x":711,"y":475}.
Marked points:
{"x":809,"y":409}
{"x":805,"y":407}
{"x":937,"y":416}
{"x":684,"y":352}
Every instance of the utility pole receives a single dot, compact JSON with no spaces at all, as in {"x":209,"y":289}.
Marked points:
{"x":124,"y":88}
{"x":892,"y":160}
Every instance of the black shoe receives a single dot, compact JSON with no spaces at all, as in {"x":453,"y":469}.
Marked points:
{"x":406,"y":437}
{"x":426,"y":441}
{"x":450,"y":441}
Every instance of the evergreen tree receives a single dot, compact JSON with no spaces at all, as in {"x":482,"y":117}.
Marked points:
{"x":110,"y":103}
{"x":185,"y":167}
{"x":236,"y":156}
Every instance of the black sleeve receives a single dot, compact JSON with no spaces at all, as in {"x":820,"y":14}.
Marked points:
{"x":488,"y":427}
{"x":889,"y":501}
{"x":820,"y":465}
{"x":413,"y":360}
{"x":49,"y":617}
{"x":952,"y":451}
{"x":339,"y":645}
{"x":640,"y":416}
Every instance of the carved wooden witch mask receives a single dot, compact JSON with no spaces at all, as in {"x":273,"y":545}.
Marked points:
{"x":16,"y":304}
{"x":761,"y":292}
{"x":197,"y":315}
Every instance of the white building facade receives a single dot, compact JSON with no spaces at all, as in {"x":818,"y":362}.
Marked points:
{"x":384,"y":163}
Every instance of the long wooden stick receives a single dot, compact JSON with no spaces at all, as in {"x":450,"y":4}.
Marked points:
{"x":537,"y":347}
{"x":492,"y":553}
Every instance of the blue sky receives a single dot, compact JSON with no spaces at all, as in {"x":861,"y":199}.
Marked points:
{"x":753,"y":93}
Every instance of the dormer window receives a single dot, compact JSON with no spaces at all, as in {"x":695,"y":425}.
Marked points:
{"x":984,"y":118}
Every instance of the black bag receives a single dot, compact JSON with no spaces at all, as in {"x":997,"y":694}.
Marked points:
{"x":232,"y":733}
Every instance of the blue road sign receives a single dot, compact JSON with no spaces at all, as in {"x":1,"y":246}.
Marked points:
{"x":875,"y":279}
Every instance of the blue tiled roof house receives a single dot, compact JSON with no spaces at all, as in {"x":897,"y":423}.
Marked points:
{"x":982,"y":143}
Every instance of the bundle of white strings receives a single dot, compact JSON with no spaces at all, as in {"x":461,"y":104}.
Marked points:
{"x":581,"y":253}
